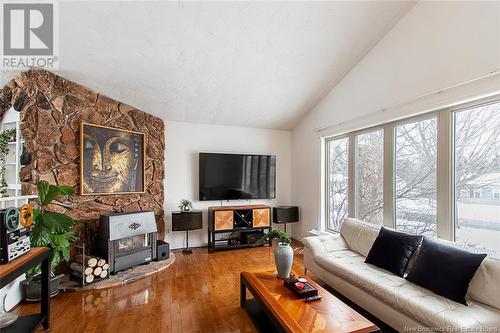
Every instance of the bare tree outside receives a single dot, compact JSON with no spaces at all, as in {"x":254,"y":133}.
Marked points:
{"x":477,"y":177}
{"x":370,"y":176}
{"x":415,"y":170}
{"x":337,"y":151}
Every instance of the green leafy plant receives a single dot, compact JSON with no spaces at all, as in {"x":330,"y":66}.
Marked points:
{"x":6,"y":136}
{"x":281,"y":236}
{"x":185,"y":205}
{"x":52,"y":229}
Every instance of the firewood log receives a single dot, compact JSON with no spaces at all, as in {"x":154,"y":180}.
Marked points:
{"x":78,"y":277}
{"x":100,"y":262}
{"x":77,"y":267}
{"x":103,"y":274}
{"x":89,"y":260}
{"x":105,"y":267}
{"x":97,"y":271}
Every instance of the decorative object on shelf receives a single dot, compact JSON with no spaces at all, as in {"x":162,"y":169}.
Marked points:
{"x":6,"y":136}
{"x":185,"y":205}
{"x":53,"y":230}
{"x":6,"y":318}
{"x":300,"y":287}
{"x":283,"y":254}
{"x":285,"y":214}
{"x":185,"y":221}
{"x":112,"y":160}
{"x":14,"y":236}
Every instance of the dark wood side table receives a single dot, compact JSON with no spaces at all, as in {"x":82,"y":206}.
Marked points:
{"x":9,"y":272}
{"x":185,"y":221}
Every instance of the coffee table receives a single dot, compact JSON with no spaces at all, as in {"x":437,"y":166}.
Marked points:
{"x":274,"y":308}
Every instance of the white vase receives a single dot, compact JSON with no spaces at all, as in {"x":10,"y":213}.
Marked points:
{"x":283,"y":257}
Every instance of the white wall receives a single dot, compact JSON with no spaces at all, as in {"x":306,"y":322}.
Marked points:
{"x":436,"y":45}
{"x":183,"y":143}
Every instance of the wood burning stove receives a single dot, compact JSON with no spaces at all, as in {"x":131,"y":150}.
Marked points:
{"x":127,"y":239}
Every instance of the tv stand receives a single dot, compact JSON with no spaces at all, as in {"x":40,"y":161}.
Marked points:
{"x":233,"y":227}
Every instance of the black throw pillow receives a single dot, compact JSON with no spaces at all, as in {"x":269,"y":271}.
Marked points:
{"x":444,"y":269}
{"x":392,"y":250}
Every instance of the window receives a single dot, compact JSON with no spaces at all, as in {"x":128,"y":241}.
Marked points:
{"x":415,"y":177}
{"x":336,"y":182}
{"x":369,"y":161}
{"x":442,"y":177}
{"x":477,"y":178}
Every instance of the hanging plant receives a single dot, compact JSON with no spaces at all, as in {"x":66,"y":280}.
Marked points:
{"x":6,"y":136}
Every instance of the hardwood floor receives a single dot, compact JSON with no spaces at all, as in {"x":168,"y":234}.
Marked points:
{"x":198,"y":293}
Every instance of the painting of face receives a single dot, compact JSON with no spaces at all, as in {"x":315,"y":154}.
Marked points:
{"x":112,"y":160}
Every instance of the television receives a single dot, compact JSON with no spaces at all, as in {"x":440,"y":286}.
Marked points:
{"x":236,"y":176}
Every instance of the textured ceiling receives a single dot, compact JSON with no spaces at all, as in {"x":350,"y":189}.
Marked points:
{"x":256,"y":64}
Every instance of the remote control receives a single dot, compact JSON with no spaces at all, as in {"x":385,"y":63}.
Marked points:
{"x":312,"y":298}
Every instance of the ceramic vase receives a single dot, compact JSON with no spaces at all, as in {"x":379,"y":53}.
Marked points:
{"x":283,"y":257}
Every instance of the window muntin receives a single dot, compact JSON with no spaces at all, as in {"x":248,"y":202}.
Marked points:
{"x":337,"y":152}
{"x":369,"y":164}
{"x":477,"y":178}
{"x":415,"y":176}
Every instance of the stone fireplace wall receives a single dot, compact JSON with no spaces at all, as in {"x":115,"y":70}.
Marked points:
{"x":51,"y":110}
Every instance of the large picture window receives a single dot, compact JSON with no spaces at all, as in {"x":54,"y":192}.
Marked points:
{"x":337,"y":182}
{"x":415,"y":177}
{"x":477,"y":178}
{"x":435,"y":175}
{"x":369,"y":161}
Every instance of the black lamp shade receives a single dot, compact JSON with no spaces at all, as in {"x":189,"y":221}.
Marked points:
{"x":285,"y":214}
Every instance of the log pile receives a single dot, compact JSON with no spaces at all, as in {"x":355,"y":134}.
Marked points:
{"x":88,"y":268}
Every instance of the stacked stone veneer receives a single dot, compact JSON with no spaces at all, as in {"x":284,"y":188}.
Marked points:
{"x":51,"y":110}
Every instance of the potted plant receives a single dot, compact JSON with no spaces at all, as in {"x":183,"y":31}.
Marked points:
{"x":283,"y":254}
{"x":51,"y":229}
{"x":6,"y":136}
{"x":185,"y":205}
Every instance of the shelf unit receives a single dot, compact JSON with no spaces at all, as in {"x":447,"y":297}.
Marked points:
{"x":13,"y":165}
{"x":10,"y":271}
{"x":229,"y":226}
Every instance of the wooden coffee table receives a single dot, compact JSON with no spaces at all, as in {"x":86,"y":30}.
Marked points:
{"x":275,"y":308}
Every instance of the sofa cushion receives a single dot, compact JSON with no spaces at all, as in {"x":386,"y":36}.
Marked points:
{"x":416,"y":302}
{"x":485,"y":285}
{"x":359,"y":235}
{"x":392,"y":250}
{"x":444,"y":269}
{"x":322,"y":245}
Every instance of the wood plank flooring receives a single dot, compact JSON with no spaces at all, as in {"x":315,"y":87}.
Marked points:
{"x":198,"y":293}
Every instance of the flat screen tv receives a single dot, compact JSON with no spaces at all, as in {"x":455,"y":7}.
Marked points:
{"x":237,"y":176}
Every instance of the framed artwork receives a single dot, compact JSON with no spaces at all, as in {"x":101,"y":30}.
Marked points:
{"x":111,"y":160}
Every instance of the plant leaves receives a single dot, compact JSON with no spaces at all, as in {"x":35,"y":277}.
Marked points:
{"x":43,"y":190}
{"x":57,"y":223}
{"x":40,"y":236}
{"x":67,"y":190}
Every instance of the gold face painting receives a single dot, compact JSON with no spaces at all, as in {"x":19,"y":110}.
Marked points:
{"x":112,"y":160}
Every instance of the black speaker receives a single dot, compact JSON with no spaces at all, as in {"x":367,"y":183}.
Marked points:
{"x":191,"y":220}
{"x":286,"y":214}
{"x":162,"y":250}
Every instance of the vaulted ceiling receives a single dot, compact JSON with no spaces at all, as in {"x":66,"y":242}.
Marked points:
{"x":257,"y":64}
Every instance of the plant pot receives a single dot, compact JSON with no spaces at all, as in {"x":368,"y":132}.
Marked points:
{"x":283,"y":258}
{"x":33,"y":290}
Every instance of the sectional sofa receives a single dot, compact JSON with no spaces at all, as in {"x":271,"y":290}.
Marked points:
{"x":339,"y":260}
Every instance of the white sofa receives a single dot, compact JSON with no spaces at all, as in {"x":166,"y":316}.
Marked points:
{"x":339,"y":260}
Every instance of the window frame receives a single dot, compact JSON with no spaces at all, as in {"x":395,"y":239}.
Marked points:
{"x":445,"y":173}
{"x":326,"y":182}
